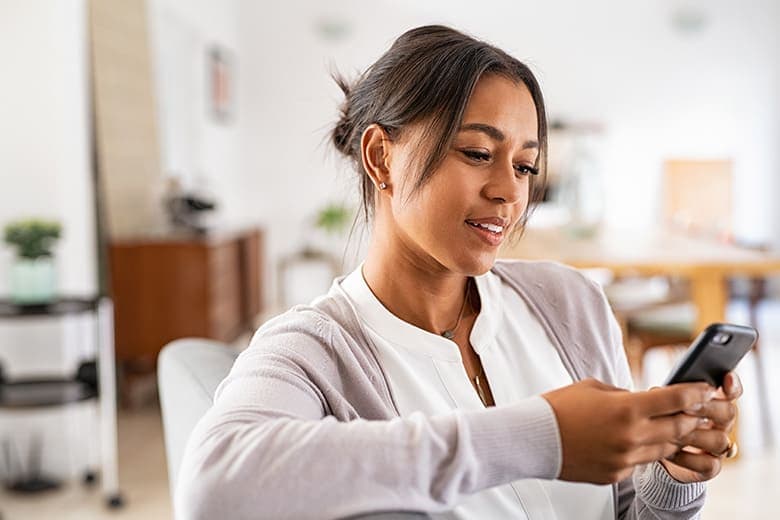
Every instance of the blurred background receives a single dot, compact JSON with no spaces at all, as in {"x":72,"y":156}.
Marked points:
{"x":166,"y":172}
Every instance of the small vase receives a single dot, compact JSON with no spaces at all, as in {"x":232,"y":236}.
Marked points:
{"x":33,"y":281}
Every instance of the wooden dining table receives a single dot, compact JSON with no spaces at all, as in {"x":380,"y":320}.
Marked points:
{"x":707,"y":264}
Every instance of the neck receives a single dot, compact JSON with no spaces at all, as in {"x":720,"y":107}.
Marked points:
{"x":420,"y":292}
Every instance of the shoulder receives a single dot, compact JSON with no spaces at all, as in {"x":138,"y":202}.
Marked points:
{"x":552,"y":278}
{"x":301,"y":319}
{"x":301,"y":343}
{"x":555,"y":289}
{"x":322,"y":345}
{"x":574,"y":310}
{"x":322,"y":336}
{"x":302,"y":330}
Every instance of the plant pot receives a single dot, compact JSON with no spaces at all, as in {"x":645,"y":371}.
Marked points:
{"x":33,"y":281}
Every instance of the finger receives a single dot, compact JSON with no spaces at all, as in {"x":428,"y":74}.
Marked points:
{"x":653,"y":452}
{"x":702,"y":463}
{"x":721,"y":413}
{"x":714,"y":442}
{"x":674,"y":399}
{"x":732,"y":386}
{"x":670,"y":428}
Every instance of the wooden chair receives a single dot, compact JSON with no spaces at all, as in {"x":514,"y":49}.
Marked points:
{"x":697,"y":200}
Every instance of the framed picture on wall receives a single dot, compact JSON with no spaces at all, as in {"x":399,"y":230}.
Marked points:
{"x":221,"y":81}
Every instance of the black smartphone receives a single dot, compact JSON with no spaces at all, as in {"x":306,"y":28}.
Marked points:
{"x":714,"y":353}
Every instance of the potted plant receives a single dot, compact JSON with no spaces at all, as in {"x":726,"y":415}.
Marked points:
{"x":330,"y":223}
{"x":33,"y":278}
{"x":333,"y":218}
{"x":310,"y":270}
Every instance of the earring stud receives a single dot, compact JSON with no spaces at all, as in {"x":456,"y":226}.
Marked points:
{"x":382,"y":185}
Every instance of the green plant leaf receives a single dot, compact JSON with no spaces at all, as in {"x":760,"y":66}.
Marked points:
{"x":333,"y":218}
{"x":32,"y":238}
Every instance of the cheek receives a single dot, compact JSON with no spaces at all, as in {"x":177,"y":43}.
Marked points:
{"x":449,"y":198}
{"x":434,"y":212}
{"x":424,"y":214}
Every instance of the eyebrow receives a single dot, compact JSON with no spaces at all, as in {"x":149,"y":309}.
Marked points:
{"x":494,"y":133}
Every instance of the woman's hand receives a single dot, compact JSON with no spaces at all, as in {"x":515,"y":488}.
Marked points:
{"x":704,"y":448}
{"x":606,"y":431}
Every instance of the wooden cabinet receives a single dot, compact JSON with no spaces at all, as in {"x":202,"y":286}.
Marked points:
{"x":168,"y":288}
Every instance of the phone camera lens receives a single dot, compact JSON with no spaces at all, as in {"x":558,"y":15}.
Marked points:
{"x":721,"y":338}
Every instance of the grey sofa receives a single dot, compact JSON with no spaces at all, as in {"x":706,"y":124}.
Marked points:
{"x":188,"y":372}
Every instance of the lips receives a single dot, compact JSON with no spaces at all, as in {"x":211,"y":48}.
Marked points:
{"x":495,"y":224}
{"x":497,"y":221}
{"x":490,"y":229}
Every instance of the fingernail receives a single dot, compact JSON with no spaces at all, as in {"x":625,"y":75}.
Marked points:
{"x":703,"y":421}
{"x":711,"y":395}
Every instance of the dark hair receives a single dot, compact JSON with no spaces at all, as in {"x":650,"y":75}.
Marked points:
{"x":428,"y":75}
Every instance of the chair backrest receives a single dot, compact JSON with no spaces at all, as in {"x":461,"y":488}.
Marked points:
{"x":188,"y":373}
{"x":697,"y":196}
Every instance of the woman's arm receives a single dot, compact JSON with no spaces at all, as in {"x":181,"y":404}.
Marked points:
{"x":270,"y":448}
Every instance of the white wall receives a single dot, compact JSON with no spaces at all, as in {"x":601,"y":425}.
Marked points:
{"x":289,"y":104}
{"x":45,"y":163}
{"x":202,"y":151}
{"x":658,"y":91}
{"x":45,"y":170}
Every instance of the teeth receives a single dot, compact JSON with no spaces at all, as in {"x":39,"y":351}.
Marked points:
{"x":490,"y":227}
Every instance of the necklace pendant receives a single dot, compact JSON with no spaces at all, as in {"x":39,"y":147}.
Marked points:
{"x":449,"y":334}
{"x":480,"y":390}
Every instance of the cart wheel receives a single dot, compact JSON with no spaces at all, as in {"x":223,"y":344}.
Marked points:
{"x":115,"y":501}
{"x":89,"y":479}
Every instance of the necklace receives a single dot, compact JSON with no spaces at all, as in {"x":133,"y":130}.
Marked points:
{"x":450,"y":333}
{"x":477,"y":381}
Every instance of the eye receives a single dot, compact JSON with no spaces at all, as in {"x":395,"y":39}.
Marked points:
{"x":476,"y":155}
{"x":524,"y":169}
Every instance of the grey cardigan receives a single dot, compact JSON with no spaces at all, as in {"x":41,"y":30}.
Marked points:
{"x":305,"y":425}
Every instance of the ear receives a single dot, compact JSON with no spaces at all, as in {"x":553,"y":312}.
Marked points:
{"x":375,"y":153}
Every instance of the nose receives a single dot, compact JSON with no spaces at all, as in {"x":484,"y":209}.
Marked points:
{"x":505,"y":186}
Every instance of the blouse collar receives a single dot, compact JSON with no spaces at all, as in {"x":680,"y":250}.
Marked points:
{"x":414,"y":339}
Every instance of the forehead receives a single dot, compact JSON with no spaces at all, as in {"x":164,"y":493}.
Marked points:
{"x":504,"y":104}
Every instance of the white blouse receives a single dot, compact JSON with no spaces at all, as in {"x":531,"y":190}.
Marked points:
{"x":426,"y":373}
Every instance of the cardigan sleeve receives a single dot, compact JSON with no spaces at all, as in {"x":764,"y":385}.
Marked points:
{"x":270,"y":446}
{"x":650,"y":493}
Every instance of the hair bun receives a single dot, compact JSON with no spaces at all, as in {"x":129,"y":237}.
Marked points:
{"x":342,"y":132}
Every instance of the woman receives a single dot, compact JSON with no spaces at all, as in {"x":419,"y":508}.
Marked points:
{"x":434,"y":378}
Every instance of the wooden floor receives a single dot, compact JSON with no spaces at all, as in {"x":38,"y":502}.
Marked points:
{"x":746,"y":489}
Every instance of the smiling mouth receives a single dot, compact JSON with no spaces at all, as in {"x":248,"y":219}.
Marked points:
{"x":490,"y":234}
{"x":492,"y":228}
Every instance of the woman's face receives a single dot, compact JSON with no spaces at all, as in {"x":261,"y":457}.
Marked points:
{"x":459,"y":218}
